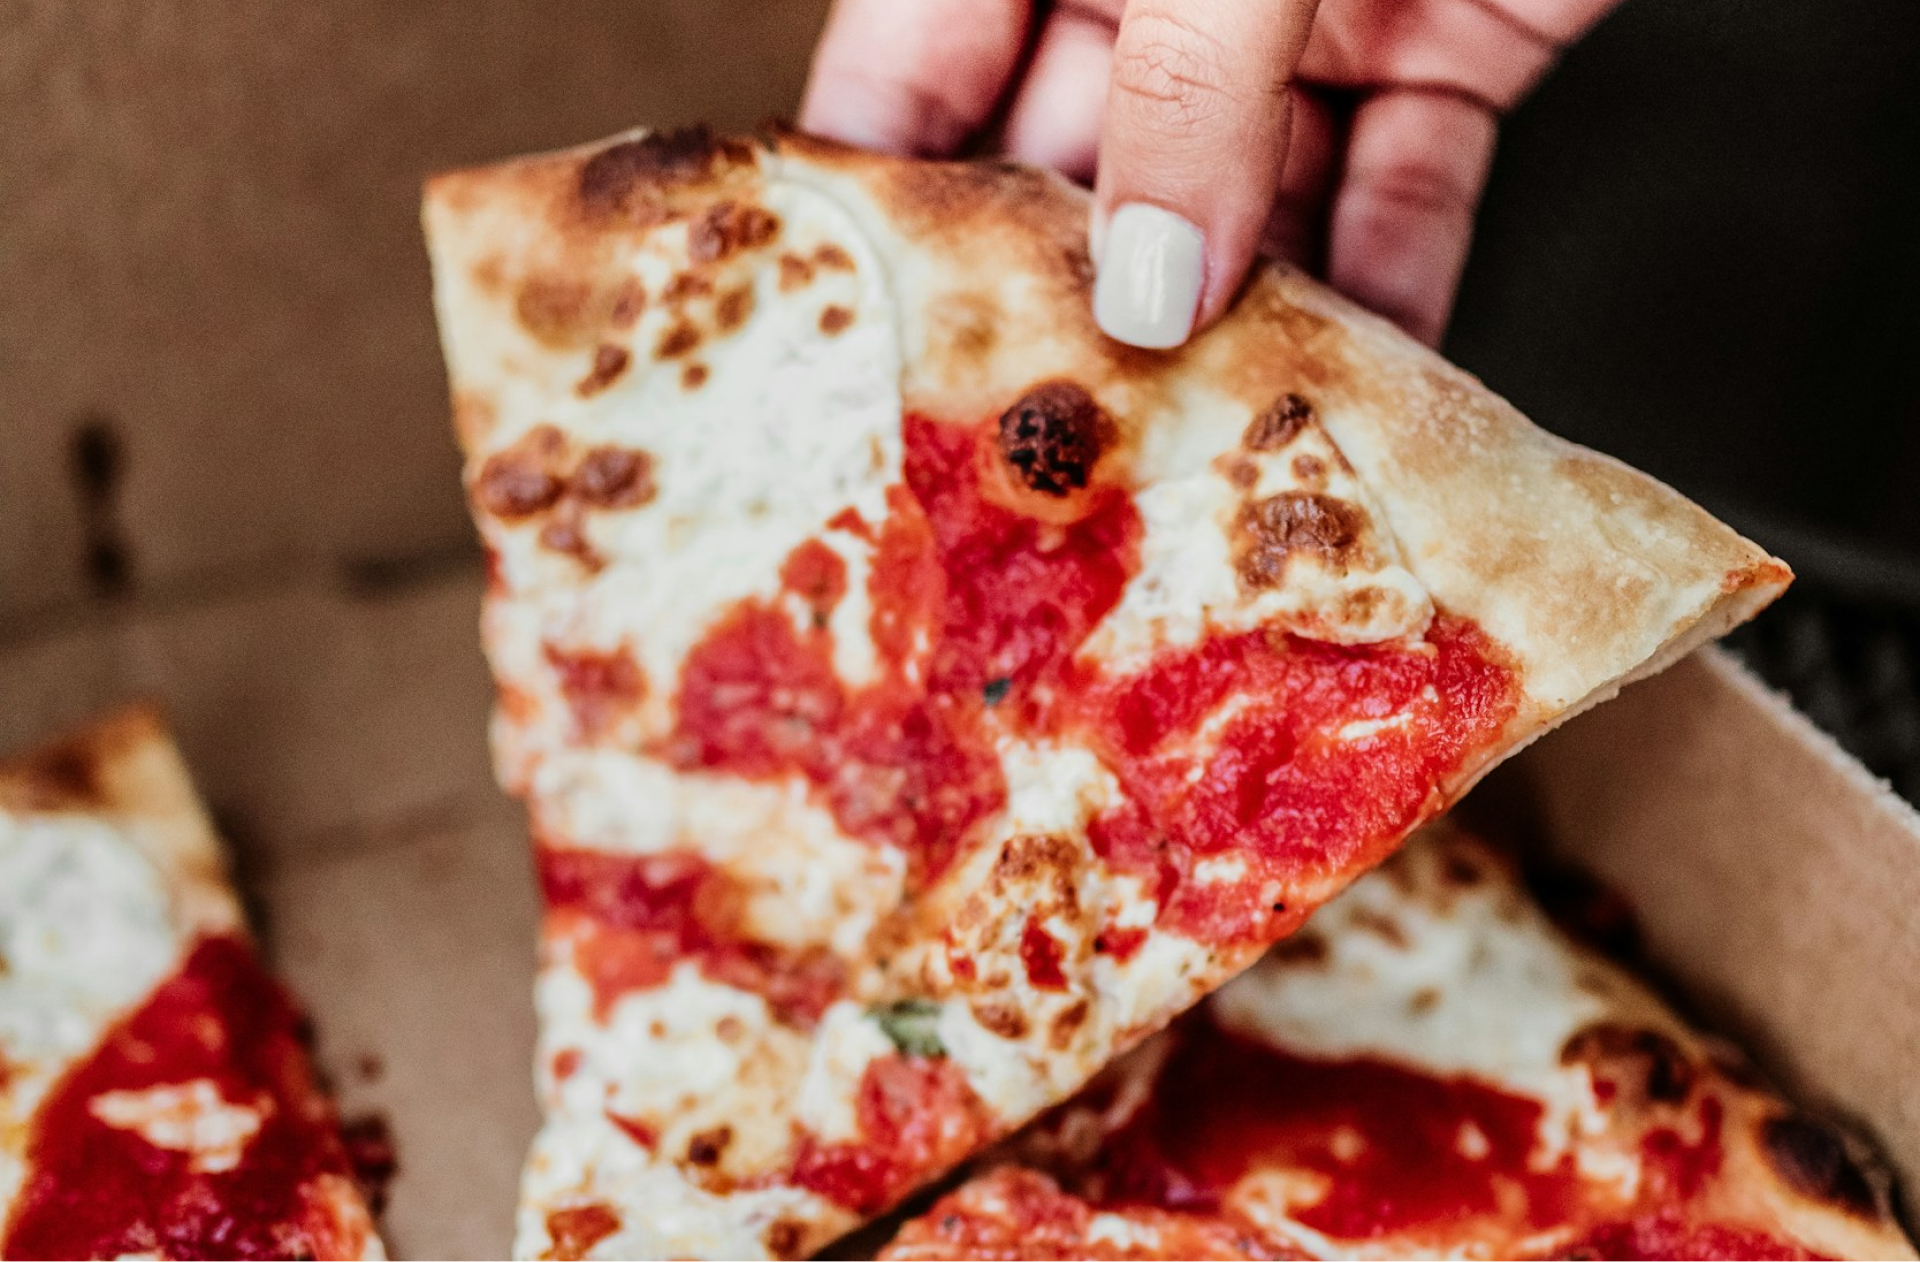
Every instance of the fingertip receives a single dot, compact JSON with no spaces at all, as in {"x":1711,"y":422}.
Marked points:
{"x":1196,"y":127}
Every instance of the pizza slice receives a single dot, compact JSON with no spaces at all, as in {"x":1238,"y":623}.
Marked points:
{"x":1430,"y":1068}
{"x":155,"y":1095}
{"x":918,"y":697}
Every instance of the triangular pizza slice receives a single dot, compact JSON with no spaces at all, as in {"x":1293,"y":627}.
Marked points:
{"x":155,"y":1094}
{"x":920,"y":698}
{"x":1431,"y":1068}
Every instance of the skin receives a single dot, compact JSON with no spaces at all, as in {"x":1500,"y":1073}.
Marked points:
{"x":1351,"y":136}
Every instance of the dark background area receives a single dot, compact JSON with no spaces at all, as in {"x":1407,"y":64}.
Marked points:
{"x":1700,"y":251}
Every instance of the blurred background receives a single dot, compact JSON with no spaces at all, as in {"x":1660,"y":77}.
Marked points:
{"x":218,"y":372}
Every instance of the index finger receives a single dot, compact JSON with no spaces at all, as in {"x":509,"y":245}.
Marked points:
{"x":912,"y":76}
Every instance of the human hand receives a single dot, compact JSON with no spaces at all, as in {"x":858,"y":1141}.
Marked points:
{"x":1354,"y":141}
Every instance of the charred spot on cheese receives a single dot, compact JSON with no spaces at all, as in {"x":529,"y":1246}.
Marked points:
{"x":629,"y":300}
{"x":676,"y":341}
{"x":1053,"y":437}
{"x":1241,"y":473}
{"x":832,"y":257}
{"x":693,"y":376}
{"x":1273,"y":529}
{"x":609,"y":361}
{"x":63,"y":776}
{"x":518,"y":481}
{"x":795,"y":273}
{"x":834,"y":320}
{"x":1631,"y":1066}
{"x":1813,"y":1159}
{"x":600,"y":688}
{"x":1311,"y":471}
{"x":998,"y":1016}
{"x":566,"y":534}
{"x":707,"y":1147}
{"x":614,"y":477}
{"x":684,"y":288}
{"x":1279,"y":425}
{"x":573,"y":1230}
{"x":611,"y":178}
{"x":1067,"y":1024}
{"x":729,"y":227}
{"x":913,"y":1026}
{"x":995,"y":691}
{"x":733,"y":308}
{"x":555,"y":311}
{"x":784,"y":1238}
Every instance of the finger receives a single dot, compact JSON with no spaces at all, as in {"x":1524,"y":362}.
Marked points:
{"x":1403,"y":215}
{"x":1297,"y":230}
{"x":1055,"y":119}
{"x":1191,"y":152}
{"x":1479,"y":48}
{"x":912,"y":76}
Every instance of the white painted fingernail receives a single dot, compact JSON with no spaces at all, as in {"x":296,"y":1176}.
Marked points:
{"x":1151,"y":266}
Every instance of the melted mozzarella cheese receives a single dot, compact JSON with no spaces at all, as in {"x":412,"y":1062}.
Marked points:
{"x":1188,"y":585}
{"x":791,"y":426}
{"x":192,"y":1117}
{"x":1053,"y":791}
{"x":85,"y":933}
{"x":807,"y":883}
{"x":1454,"y":979}
{"x":587,"y":1163}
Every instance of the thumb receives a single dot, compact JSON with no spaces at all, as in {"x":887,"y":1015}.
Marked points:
{"x":1191,"y":152}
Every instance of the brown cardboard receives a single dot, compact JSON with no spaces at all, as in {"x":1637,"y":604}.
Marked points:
{"x":211,"y":250}
{"x":1775,"y":880}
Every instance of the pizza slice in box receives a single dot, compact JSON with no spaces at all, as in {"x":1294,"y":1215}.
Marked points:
{"x":155,"y":1094}
{"x":918,"y":697}
{"x":1430,"y":1068}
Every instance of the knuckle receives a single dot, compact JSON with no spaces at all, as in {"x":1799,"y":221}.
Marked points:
{"x":1420,"y":189}
{"x":1163,"y":61}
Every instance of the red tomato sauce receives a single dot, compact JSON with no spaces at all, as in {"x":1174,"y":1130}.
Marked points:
{"x":1667,"y":1235}
{"x":1277,"y":785}
{"x":94,"y":1190}
{"x":916,"y":1116}
{"x":631,"y":918}
{"x":1040,"y":954}
{"x":1021,"y":1216}
{"x":978,"y":613}
{"x":1400,"y":1151}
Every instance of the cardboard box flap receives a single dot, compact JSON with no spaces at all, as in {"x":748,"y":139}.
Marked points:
{"x":1775,"y":880}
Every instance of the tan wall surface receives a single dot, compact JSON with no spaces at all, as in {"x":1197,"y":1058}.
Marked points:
{"x":209,"y":245}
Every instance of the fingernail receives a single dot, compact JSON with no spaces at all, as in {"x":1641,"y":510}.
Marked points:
{"x":1147,"y":287}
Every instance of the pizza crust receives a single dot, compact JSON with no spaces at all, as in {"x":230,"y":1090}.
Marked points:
{"x":1588,"y":571}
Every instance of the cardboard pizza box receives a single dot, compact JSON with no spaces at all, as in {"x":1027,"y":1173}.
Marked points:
{"x":227,"y":483}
